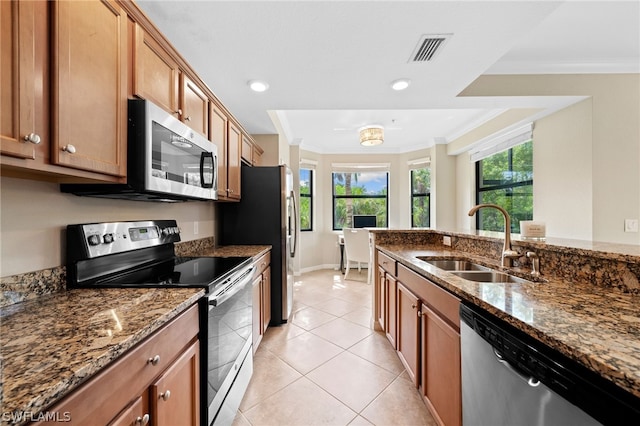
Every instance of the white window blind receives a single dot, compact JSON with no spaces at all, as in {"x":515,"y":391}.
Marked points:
{"x":501,"y":142}
{"x":419,"y":163}
{"x":308,"y":164}
{"x":360,"y":167}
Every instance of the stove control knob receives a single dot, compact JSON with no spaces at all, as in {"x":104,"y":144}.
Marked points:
{"x":93,"y":240}
{"x":176,"y":230}
{"x":165,"y":231}
{"x":107,"y":238}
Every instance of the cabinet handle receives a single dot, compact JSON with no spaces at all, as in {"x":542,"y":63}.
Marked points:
{"x":165,"y":395}
{"x":143,"y":421}
{"x":230,"y":191}
{"x":34,"y":138}
{"x":155,"y":360}
{"x":413,"y":306}
{"x":179,"y":111}
{"x":188,"y":118}
{"x":419,"y":314}
{"x":69,"y":148}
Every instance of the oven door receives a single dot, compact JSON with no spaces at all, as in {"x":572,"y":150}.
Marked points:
{"x":228,"y":361}
{"x":179,"y":160}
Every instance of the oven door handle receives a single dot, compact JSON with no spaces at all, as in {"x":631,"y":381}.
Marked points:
{"x":234,"y":287}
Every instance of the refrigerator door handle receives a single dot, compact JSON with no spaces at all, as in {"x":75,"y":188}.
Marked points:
{"x":294,"y":229}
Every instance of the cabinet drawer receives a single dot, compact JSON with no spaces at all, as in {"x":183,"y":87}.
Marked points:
{"x":387,"y":263}
{"x":435,"y":297}
{"x":262,"y":263}
{"x":102,"y":397}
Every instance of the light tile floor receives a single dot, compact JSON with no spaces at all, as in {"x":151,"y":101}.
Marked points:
{"x":327,"y":366}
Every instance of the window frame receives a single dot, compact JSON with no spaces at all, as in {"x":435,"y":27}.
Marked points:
{"x":480,"y":189}
{"x":426,"y":195}
{"x":335,"y":197}
{"x":310,"y":196}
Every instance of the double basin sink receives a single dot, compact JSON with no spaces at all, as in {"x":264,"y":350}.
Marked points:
{"x":467,"y":270}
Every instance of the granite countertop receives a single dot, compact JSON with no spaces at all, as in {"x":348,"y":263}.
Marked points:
{"x":51,"y":344}
{"x":597,"y":326}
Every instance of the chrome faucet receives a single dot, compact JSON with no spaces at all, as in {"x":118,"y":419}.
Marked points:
{"x":508,"y":254}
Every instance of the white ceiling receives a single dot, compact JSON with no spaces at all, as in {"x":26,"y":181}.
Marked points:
{"x":329,"y":64}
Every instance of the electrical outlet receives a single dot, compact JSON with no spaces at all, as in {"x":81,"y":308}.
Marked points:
{"x":631,"y":225}
{"x":195,"y":228}
{"x":446,"y":240}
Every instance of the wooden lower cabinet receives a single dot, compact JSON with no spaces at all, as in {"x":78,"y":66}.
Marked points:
{"x":174,"y":396}
{"x":422,"y":321}
{"x":390,"y":311}
{"x":261,"y":296}
{"x":408,"y":332}
{"x":157,"y":381}
{"x":440,"y":370}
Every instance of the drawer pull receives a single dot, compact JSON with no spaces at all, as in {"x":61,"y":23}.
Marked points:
{"x":69,"y":148}
{"x":165,"y":395}
{"x":142,"y":421}
{"x":154,"y":361}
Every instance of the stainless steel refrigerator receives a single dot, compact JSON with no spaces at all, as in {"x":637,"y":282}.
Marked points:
{"x":266,"y":214}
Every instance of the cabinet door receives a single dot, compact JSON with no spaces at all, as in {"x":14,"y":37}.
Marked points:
{"x":247,"y":150}
{"x":155,"y":74}
{"x":266,"y":299}
{"x":390,"y":308}
{"x":233,"y":161}
{"x":256,"y":309}
{"x":136,"y":414}
{"x":381,"y":298}
{"x":24,"y":52}
{"x":218,"y":135}
{"x":441,"y":382}
{"x":90,"y":86}
{"x":175,"y":395}
{"x":195,"y":106}
{"x":408,"y":332}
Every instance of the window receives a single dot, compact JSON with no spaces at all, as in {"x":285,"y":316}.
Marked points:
{"x":359,"y":193}
{"x":420,"y":197}
{"x":505,"y":179}
{"x":306,"y":199}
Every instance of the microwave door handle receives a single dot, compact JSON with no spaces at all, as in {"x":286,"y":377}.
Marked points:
{"x":215,"y":174}
{"x":202,"y":157}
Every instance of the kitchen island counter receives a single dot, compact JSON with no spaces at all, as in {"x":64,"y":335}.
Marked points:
{"x":52,"y":344}
{"x":597,"y":326}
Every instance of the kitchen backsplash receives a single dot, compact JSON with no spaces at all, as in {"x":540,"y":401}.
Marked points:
{"x":618,"y":268}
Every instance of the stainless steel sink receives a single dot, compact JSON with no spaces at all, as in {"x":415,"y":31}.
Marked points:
{"x":488,"y":276}
{"x":454,"y":264}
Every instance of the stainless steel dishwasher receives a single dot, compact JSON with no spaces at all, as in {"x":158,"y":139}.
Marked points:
{"x":509,"y":378}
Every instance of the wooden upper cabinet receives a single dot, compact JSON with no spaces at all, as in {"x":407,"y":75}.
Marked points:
{"x":90,"y":86}
{"x":233,"y":161}
{"x":24,"y":44}
{"x":195,"y":106}
{"x":155,"y":73}
{"x":247,"y":150}
{"x":218,"y":135}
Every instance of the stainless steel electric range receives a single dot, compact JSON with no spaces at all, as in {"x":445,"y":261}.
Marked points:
{"x":142,"y":254}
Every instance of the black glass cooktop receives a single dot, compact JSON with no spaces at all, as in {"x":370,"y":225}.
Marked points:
{"x":179,"y":272}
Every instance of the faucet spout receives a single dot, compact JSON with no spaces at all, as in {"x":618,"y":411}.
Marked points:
{"x":508,"y":254}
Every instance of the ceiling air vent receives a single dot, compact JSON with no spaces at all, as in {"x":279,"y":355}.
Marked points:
{"x":428,"y":46}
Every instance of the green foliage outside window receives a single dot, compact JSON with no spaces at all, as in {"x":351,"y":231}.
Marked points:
{"x":360,"y":194}
{"x":420,"y":197}
{"x":306,"y":199}
{"x":506,"y":179}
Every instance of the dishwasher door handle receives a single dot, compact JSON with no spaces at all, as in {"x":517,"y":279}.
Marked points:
{"x":531,"y":381}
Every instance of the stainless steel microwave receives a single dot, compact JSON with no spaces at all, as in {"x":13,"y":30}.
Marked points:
{"x":166,"y":161}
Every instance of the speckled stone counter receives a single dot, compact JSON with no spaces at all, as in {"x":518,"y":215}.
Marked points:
{"x":51,"y":344}
{"x":598,"y":326}
{"x":233,"y":251}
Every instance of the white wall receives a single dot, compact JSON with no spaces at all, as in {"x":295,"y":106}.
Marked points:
{"x":34,"y":215}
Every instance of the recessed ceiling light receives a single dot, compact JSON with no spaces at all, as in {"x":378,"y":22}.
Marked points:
{"x":400,"y":84}
{"x":258,"y":86}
